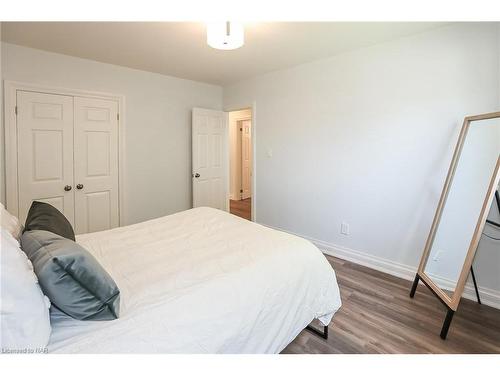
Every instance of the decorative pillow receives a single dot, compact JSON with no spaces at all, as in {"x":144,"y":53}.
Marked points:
{"x":24,"y":310}
{"x":71,"y":277}
{"x":43,"y":216}
{"x":10,"y":223}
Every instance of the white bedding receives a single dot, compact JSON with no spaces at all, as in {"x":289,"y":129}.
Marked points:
{"x":203,"y":281}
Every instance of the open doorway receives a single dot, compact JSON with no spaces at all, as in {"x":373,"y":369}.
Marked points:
{"x":240,"y":163}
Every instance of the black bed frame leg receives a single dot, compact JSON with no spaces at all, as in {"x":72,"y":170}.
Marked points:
{"x":323,"y":335}
{"x":446,"y":323}
{"x":414,"y":286}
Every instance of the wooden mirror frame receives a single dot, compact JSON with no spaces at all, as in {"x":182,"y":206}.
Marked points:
{"x":452,"y":302}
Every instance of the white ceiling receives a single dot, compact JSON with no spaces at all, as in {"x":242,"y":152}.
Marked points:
{"x":179,"y":48}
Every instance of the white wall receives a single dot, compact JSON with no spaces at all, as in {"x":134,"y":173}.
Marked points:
{"x":366,"y":137}
{"x":2,"y":134}
{"x":158,"y":121}
{"x":235,"y":151}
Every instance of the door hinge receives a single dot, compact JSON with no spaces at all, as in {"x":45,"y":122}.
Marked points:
{"x":241,"y":129}
{"x":241,"y":190}
{"x":118,"y":116}
{"x":15,"y":110}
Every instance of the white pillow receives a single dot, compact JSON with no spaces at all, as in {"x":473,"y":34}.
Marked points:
{"x":24,"y":310}
{"x":10,"y":223}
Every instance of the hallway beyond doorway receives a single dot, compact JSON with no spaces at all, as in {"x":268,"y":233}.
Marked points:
{"x":241,"y":208}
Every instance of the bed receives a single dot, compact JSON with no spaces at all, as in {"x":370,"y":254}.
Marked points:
{"x":203,"y":281}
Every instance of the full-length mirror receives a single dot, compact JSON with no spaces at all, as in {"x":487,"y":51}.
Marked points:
{"x":463,"y":210}
{"x":463,"y":205}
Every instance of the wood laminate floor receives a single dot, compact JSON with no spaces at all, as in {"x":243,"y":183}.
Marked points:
{"x":378,"y":316}
{"x":241,"y":208}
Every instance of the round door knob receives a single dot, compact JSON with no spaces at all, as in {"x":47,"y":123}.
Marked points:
{"x":67,"y":188}
{"x":197,"y":175}
{"x":79,"y":186}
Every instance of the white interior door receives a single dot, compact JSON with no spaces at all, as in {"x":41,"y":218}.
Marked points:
{"x":45,"y":151}
{"x":246,"y":159}
{"x":96,"y":165}
{"x":209,"y":159}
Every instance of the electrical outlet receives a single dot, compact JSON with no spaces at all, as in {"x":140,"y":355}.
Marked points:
{"x":344,"y":228}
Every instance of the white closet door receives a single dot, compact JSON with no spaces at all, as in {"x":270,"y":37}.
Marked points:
{"x":209,"y":163}
{"x":96,"y":165}
{"x":246,"y":159}
{"x":45,"y":151}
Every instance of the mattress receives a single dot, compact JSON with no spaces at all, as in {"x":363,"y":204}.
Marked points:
{"x":203,"y":281}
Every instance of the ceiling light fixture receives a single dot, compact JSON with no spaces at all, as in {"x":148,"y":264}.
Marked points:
{"x":225,"y":35}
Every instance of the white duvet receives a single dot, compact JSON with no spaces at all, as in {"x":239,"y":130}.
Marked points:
{"x":203,"y":281}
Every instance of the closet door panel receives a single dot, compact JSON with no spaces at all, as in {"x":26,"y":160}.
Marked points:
{"x":96,"y":164}
{"x":45,"y":151}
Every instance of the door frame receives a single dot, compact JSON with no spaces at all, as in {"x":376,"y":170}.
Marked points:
{"x":253,"y":109}
{"x":10,"y":118}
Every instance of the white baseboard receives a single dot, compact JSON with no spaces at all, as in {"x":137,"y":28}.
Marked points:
{"x":489,"y":297}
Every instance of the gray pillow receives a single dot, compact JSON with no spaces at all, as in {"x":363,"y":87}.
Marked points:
{"x":43,"y":216}
{"x":71,"y":277}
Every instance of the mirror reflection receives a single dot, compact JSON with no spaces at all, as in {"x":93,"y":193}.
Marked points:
{"x":463,"y":205}
{"x":490,"y":240}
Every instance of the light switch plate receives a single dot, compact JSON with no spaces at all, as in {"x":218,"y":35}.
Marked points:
{"x":344,"y":228}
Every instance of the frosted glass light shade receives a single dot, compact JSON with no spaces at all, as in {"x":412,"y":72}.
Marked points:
{"x":225,"y":35}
